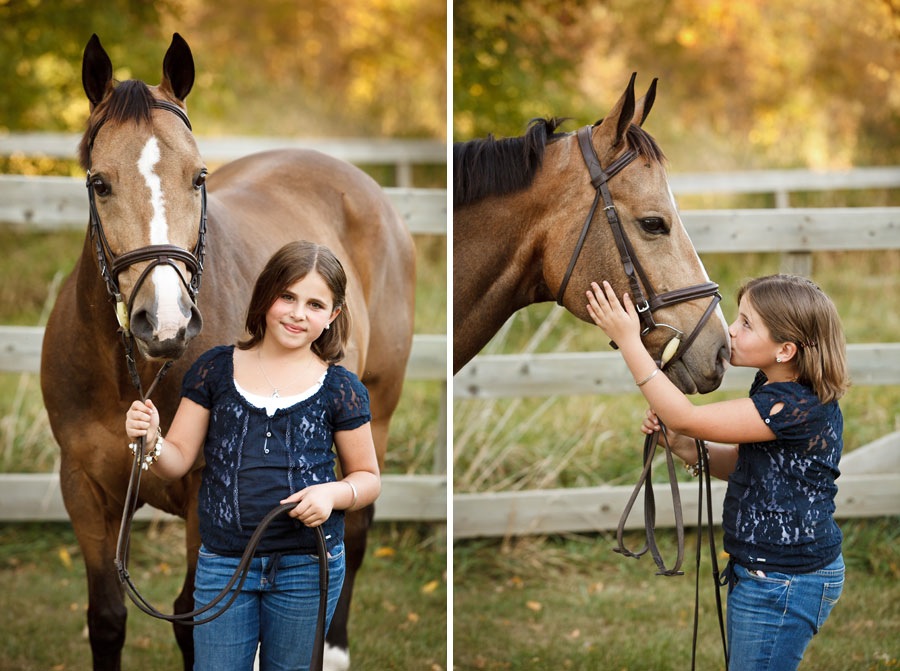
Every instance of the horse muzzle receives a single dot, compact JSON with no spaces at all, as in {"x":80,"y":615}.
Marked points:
{"x":166,"y":339}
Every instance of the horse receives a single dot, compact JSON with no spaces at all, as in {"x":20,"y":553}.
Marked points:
{"x":524,"y":232}
{"x":157,"y":224}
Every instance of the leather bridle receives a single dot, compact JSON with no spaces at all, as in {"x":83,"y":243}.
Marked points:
{"x":112,"y":265}
{"x":645,"y":298}
{"x":647,"y":301}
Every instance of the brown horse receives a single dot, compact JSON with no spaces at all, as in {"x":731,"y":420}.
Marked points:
{"x":149,"y":205}
{"x":524,"y":231}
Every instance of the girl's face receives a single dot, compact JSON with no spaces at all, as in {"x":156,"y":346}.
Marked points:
{"x":302,"y":311}
{"x":751,"y":343}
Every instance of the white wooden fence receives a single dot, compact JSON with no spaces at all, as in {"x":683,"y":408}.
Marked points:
{"x":54,"y":203}
{"x":870,"y":481}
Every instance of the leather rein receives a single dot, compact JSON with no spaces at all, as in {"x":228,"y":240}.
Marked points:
{"x":647,"y":301}
{"x":111,"y":265}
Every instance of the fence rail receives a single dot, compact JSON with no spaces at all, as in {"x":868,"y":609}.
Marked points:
{"x":870,"y":484}
{"x":402,"y":154}
{"x":54,"y":203}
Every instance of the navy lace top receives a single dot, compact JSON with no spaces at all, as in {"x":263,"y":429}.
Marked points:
{"x":779,"y":505}
{"x":253,"y":460}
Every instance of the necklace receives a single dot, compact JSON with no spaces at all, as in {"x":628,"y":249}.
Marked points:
{"x":275,"y":392}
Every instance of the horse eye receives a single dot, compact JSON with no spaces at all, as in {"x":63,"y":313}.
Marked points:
{"x":201,"y":179}
{"x":100,"y":187}
{"x":654,"y":225}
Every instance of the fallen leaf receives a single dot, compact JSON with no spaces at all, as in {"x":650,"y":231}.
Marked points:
{"x":533,"y":605}
{"x":430,"y":587}
{"x":383,"y":552}
{"x":65,"y":557}
{"x":412,"y":617}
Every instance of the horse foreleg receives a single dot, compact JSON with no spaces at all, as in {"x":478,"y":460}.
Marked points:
{"x":184,"y":603}
{"x":97,"y":532}
{"x":356,"y":527}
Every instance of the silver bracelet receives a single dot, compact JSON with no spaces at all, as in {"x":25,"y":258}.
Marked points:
{"x":355,"y":494}
{"x":648,"y":378}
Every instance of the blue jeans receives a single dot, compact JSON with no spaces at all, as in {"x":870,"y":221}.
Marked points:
{"x":277,"y":609}
{"x":772,"y":618}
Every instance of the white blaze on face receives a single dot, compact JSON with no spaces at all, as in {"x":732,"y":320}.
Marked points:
{"x":165,"y":279}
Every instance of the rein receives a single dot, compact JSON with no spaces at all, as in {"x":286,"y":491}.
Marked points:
{"x":647,"y":301}
{"x":110,"y":268}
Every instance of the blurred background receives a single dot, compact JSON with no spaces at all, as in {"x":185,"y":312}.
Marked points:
{"x":780,"y":121}
{"x":365,"y":80}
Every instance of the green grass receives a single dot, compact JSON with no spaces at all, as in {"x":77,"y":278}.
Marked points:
{"x":571,"y":603}
{"x":398,"y":616}
{"x":567,"y":441}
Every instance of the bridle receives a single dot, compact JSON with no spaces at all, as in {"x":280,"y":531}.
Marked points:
{"x":645,"y":298}
{"x":111,"y":266}
{"x":647,"y":301}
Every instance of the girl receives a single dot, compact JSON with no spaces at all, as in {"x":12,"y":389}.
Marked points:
{"x":265,"y":414}
{"x":779,"y":450}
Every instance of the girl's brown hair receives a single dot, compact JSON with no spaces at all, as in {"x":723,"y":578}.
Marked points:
{"x":795,"y":310}
{"x":291,"y":264}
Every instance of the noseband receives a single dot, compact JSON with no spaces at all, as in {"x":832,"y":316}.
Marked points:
{"x":112,"y":265}
{"x":646,"y":303}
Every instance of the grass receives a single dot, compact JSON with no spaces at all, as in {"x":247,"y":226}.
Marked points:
{"x":571,"y":603}
{"x":568,"y":602}
{"x":398,"y":618}
{"x":567,"y":441}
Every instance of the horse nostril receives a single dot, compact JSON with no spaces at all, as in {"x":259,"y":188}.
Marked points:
{"x":195,"y":325}
{"x":142,"y":325}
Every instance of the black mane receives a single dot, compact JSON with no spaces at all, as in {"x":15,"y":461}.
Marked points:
{"x":491,"y":167}
{"x":129,"y":101}
{"x":494,"y":167}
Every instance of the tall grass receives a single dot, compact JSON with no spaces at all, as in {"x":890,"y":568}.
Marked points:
{"x":563,"y":441}
{"x":29,"y":278}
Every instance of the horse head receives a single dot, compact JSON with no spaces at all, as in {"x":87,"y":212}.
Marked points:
{"x":633,"y":236}
{"x":146,"y":185}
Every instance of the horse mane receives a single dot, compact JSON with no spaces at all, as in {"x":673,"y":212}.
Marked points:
{"x":129,"y":101}
{"x":491,"y":167}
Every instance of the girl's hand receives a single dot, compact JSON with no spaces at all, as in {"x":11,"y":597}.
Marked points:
{"x":651,"y":423}
{"x":618,"y":322}
{"x":314,"y":504}
{"x":682,"y":446}
{"x":142,"y":419}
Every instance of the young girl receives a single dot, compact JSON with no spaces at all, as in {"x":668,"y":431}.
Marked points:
{"x":265,"y":415}
{"x":779,"y":450}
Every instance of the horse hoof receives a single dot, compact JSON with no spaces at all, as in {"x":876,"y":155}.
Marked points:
{"x":336,"y":659}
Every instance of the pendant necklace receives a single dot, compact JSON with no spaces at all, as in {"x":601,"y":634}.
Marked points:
{"x":262,"y":370}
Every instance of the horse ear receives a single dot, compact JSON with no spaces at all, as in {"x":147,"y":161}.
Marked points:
{"x":644,"y":105}
{"x":620,"y":117}
{"x":96,"y":71}
{"x":178,"y":68}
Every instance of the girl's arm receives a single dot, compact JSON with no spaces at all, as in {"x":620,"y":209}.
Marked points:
{"x":734,"y":421}
{"x":722,"y":457}
{"x":182,"y":445}
{"x":359,"y":487}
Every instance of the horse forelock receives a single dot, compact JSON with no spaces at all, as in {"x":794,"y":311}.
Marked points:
{"x":643,"y":143}
{"x":492,"y":167}
{"x":129,"y":101}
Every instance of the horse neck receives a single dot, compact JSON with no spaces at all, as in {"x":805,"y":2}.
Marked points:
{"x":497,"y":269}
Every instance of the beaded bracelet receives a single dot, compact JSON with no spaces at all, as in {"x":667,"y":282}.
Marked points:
{"x":152,"y":456}
{"x":694,"y":469}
